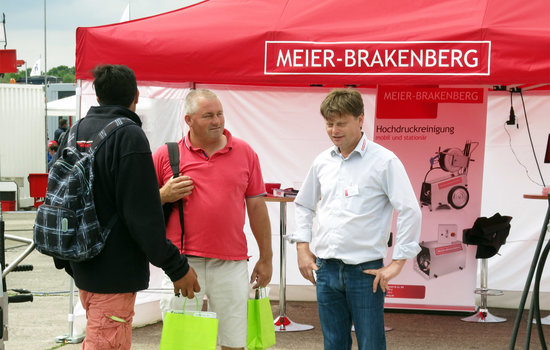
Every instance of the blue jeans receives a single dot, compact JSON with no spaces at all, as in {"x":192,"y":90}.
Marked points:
{"x":344,"y":296}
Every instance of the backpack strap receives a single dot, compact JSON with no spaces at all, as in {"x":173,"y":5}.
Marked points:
{"x":174,"y":157}
{"x":71,"y":134}
{"x":107,"y":131}
{"x":101,"y":136}
{"x":98,"y":140}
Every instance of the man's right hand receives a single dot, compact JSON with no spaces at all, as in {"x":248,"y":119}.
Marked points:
{"x":188,"y":285}
{"x":176,"y":188}
{"x":306,"y":261}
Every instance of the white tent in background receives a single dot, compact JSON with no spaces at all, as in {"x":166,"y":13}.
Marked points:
{"x":63,"y":107}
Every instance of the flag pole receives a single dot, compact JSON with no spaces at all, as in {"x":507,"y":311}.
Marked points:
{"x":4,"y":30}
{"x":45,"y":49}
{"x":45,"y":89}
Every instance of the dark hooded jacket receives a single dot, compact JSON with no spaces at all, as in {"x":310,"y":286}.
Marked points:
{"x":124,"y":185}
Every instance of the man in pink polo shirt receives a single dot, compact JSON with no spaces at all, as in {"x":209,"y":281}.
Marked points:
{"x":220,"y":180}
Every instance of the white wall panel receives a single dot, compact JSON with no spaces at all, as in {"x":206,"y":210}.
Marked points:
{"x":22,"y":134}
{"x":283,"y":125}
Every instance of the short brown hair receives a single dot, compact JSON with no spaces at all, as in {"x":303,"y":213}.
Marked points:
{"x":342,"y":101}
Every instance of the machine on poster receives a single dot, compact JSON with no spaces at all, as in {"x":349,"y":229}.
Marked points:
{"x":451,"y":188}
{"x":446,"y":255}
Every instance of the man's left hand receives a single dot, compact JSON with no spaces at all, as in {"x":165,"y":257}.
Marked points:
{"x":383,"y":276}
{"x":261,"y":275}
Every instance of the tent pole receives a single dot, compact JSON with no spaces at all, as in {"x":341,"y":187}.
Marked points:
{"x":532,"y":269}
{"x":78,"y":98}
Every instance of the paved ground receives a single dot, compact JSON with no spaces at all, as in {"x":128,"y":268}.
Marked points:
{"x":34,"y":326}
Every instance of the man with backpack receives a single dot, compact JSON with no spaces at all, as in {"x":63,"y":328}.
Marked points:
{"x":126,"y":198}
{"x":221,"y":180}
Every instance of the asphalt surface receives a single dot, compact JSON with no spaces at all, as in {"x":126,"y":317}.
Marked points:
{"x":36,"y":325}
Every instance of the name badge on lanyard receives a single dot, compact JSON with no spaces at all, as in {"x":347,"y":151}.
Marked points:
{"x":351,"y":191}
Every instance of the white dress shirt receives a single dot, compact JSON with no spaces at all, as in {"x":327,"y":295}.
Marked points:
{"x":353,"y":201}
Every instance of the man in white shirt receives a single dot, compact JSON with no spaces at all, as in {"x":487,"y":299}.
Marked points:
{"x":352,"y":189}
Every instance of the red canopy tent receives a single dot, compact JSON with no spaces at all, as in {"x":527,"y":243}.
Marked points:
{"x":273,"y":44}
{"x":297,"y":42}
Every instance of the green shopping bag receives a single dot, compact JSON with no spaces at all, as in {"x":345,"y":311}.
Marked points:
{"x":261,"y":330}
{"x":190,"y":330}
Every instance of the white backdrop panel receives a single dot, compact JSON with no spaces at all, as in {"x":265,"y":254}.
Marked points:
{"x":506,"y":180}
{"x":160,"y":109}
{"x":285,"y":128}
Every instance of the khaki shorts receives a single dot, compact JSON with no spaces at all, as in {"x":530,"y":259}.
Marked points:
{"x":225,"y":284}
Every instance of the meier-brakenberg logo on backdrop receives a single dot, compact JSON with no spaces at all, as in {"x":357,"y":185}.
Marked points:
{"x":377,"y":58}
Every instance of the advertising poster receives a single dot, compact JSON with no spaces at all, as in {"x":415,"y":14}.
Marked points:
{"x":439,"y":135}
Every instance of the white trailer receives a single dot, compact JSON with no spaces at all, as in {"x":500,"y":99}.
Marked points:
{"x":23,"y":137}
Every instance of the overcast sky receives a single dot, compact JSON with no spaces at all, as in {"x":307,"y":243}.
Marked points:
{"x":25,"y":24}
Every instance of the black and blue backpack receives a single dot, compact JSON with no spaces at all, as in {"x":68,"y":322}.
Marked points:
{"x":66,"y":225}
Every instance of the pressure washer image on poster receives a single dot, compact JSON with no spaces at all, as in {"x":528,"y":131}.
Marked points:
{"x":439,"y":135}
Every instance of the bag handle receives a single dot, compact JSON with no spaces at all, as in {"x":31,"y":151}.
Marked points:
{"x":260,"y":293}
{"x":196,"y":300}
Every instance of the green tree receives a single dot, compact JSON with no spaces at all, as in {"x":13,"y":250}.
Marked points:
{"x":63,"y":72}
{"x":68,"y":78}
{"x":7,"y":76}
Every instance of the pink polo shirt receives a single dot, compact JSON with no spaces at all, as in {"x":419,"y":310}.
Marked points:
{"x":215,"y":211}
